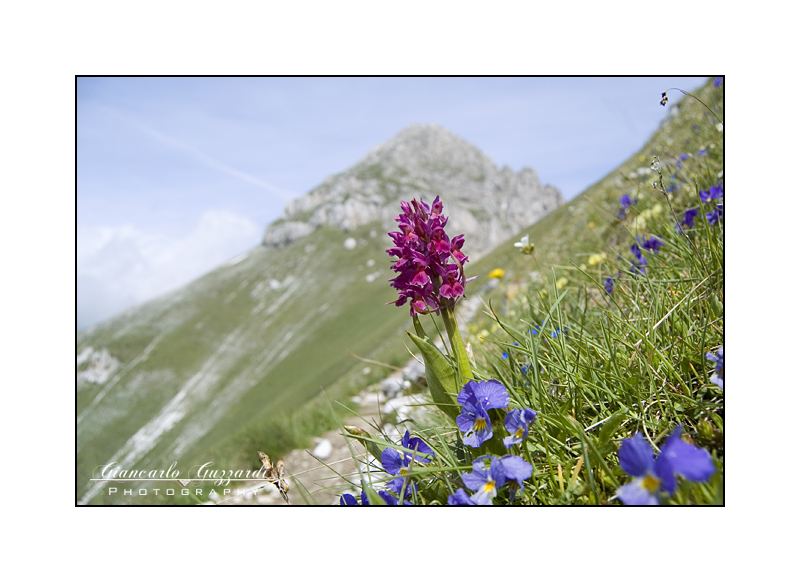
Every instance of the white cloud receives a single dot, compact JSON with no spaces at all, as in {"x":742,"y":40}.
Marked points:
{"x":120,"y":266}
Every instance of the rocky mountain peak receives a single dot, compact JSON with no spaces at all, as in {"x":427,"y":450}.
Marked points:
{"x":420,"y":149}
{"x":484,"y":202}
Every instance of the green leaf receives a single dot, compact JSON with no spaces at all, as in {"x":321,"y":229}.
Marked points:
{"x":418,"y":328}
{"x":440,"y":375}
{"x":457,"y":343}
{"x":610,"y":426}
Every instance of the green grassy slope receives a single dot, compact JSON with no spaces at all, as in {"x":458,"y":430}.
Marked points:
{"x":567,"y":238}
{"x":230,"y":351}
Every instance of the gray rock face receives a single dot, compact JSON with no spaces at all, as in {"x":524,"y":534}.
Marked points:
{"x":285,"y":232}
{"x":487,"y":204}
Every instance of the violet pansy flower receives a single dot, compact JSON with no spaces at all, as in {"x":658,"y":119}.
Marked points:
{"x":398,"y":462}
{"x":517,"y":422}
{"x":485,"y":481}
{"x":654,"y":476}
{"x":718,"y":376}
{"x":476,"y":399}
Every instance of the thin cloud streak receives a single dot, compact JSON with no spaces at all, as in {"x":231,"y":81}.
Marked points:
{"x":201,"y":157}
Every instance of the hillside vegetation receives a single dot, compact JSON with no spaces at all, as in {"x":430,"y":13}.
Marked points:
{"x":600,"y":342}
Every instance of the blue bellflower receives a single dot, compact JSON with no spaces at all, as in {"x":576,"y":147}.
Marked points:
{"x":652,"y":476}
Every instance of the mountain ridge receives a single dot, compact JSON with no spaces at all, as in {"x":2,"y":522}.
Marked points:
{"x":484,"y":202}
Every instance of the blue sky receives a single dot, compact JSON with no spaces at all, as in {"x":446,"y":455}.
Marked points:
{"x":177,"y":175}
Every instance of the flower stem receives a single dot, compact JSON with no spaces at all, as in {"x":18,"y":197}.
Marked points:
{"x":695,"y":97}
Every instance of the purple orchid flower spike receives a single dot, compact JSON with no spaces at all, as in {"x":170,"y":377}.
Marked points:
{"x":430,"y":265}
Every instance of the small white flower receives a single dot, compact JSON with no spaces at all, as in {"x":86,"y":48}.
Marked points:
{"x":524,"y":245}
{"x":656,"y":165}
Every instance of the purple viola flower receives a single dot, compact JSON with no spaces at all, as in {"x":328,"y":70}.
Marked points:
{"x":430,"y":265}
{"x":717,"y":82}
{"x":609,"y":284}
{"x":652,"y":476}
{"x":476,"y":399}
{"x":398,"y":462}
{"x":460,"y":497}
{"x":713,"y":193}
{"x":651,"y":244}
{"x":485,"y":481}
{"x":474,"y":422}
{"x":515,"y":470}
{"x":702,"y":152}
{"x":688,"y":217}
{"x":640,"y":261}
{"x":387,"y":497}
{"x":517,"y":422}
{"x":625,"y":203}
{"x":488,"y":393}
{"x":719,"y":369}
{"x":714,"y":216}
{"x":348,"y":499}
